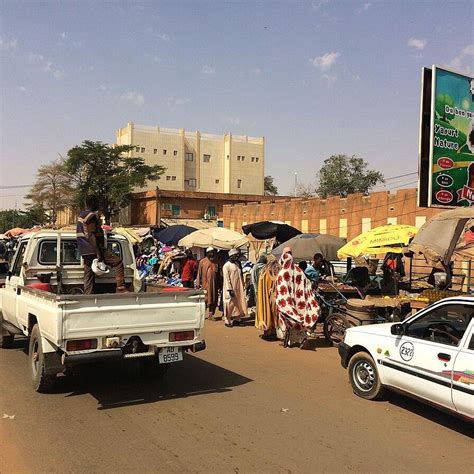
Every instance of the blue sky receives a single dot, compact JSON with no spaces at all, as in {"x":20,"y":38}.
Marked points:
{"x":315,"y":78}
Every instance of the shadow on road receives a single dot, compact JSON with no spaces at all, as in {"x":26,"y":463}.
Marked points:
{"x":433,"y":414}
{"x":131,"y":384}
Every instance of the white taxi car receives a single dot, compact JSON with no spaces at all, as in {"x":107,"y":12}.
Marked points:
{"x":429,"y":356}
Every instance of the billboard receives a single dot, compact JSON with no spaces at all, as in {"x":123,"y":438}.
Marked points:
{"x":446,"y":167}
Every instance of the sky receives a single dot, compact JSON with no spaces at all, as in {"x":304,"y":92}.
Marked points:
{"x":315,"y":78}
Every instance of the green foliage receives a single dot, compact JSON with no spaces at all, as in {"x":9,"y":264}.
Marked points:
{"x":10,"y":218}
{"x":342,"y":175}
{"x":52,"y":190}
{"x":443,"y":100}
{"x":270,"y":188}
{"x":108,"y":172}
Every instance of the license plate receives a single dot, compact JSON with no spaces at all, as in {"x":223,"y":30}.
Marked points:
{"x":168,"y":355}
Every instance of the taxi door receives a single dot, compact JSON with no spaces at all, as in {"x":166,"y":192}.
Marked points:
{"x":463,"y":376}
{"x":421,"y":360}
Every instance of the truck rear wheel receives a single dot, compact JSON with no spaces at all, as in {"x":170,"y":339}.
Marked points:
{"x":41,"y":382}
{"x":364,"y":377}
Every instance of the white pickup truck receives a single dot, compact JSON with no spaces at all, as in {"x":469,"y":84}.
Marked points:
{"x":67,"y":328}
{"x":429,"y":356}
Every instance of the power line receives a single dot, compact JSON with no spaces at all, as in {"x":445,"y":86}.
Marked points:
{"x":15,"y":187}
{"x":401,"y":176}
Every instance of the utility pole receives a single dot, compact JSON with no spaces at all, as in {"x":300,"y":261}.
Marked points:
{"x":296,"y":183}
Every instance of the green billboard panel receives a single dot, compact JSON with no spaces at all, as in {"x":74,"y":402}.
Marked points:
{"x":452,"y":139}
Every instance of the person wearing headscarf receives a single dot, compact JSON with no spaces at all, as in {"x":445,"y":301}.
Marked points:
{"x":235,"y":305}
{"x":255,"y":273}
{"x":297,"y":306}
{"x":266,"y":318}
{"x":208,"y":279}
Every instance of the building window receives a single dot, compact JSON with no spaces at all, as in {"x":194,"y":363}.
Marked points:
{"x":175,"y":210}
{"x":192,"y":182}
{"x":228,"y":157}
{"x":173,"y":178}
{"x":206,"y":158}
{"x":239,"y":183}
{"x":238,"y":157}
{"x":175,"y":152}
{"x":137,"y":149}
{"x":211,"y":211}
{"x":143,"y":149}
{"x":155,"y":151}
{"x":217,"y":181}
{"x":256,"y":159}
{"x":189,"y":157}
{"x":168,"y":178}
{"x":253,"y":159}
{"x":164,"y":151}
{"x":243,"y":158}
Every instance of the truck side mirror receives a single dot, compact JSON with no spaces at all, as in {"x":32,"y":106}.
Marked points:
{"x":9,"y":274}
{"x":397,"y":329}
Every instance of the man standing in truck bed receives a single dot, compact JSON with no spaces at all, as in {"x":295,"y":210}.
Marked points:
{"x":91,"y":244}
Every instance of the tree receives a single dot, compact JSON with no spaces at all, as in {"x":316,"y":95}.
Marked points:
{"x":305,"y":190}
{"x":10,"y":218}
{"x":52,"y":190}
{"x":342,"y":175}
{"x":108,"y":172}
{"x":270,"y":188}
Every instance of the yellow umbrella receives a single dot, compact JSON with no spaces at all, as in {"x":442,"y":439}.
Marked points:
{"x":380,"y":240}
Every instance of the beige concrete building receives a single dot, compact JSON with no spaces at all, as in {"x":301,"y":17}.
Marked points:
{"x":199,"y":162}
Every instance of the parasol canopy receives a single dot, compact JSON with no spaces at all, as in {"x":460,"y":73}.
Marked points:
{"x":217,"y":237}
{"x":173,"y":234}
{"x":446,"y":235}
{"x":271,"y":229}
{"x":304,"y":246}
{"x":379,"y":240}
{"x":131,"y":235}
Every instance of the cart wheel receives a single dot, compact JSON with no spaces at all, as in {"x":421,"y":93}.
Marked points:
{"x":335,"y":328}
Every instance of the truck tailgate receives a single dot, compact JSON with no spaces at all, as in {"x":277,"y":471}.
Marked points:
{"x":132,"y":314}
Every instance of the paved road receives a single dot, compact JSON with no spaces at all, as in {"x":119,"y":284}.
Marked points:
{"x":243,"y":405}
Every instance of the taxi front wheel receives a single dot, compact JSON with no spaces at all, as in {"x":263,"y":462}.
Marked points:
{"x":364,"y":377}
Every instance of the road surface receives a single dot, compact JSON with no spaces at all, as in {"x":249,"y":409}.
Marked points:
{"x":243,"y":405}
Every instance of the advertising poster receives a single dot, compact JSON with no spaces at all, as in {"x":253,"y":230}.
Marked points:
{"x":452,"y":139}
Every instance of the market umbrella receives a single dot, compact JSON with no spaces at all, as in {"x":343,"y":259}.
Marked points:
{"x":271,"y":229}
{"x":446,"y":235}
{"x":379,"y":240}
{"x":217,"y":237}
{"x":131,"y":235}
{"x":304,"y":246}
{"x":173,"y":234}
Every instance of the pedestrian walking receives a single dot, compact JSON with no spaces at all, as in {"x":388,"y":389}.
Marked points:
{"x":235,"y":306}
{"x":208,"y":278}
{"x":91,"y":245}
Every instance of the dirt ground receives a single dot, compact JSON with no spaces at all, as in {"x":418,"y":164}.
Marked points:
{"x":242,"y":405}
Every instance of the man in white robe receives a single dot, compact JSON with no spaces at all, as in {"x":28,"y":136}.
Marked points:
{"x":235,"y":306}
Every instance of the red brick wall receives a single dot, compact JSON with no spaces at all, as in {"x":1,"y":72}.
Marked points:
{"x":377,"y":206}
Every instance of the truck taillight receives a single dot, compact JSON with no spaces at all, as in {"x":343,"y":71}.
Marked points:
{"x":181,"y":336}
{"x":81,"y":345}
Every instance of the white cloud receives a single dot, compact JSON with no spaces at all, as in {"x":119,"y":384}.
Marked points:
{"x":164,"y":37}
{"x":35,"y":58}
{"x":63,"y":35}
{"x":331,"y":78}
{"x":154,"y":57}
{"x":208,"y":70}
{"x":176,"y":101}
{"x":233,"y":120}
{"x":417,"y":43}
{"x":76,"y":44}
{"x":257,"y":71}
{"x":8,"y":44}
{"x":318,"y":4}
{"x":366,"y":6}
{"x":135,"y":98}
{"x":326,"y":61}
{"x":24,"y":89}
{"x":463,"y":61}
{"x":103,"y":88}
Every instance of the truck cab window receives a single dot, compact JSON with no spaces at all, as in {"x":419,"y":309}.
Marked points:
{"x":16,"y":269}
{"x":114,"y":248}
{"x":69,"y":252}
{"x":445,"y":324}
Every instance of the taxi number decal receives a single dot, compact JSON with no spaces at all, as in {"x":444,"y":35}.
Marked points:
{"x":406,"y":351}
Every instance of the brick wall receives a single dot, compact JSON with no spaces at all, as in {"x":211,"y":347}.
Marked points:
{"x":344,"y":217}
